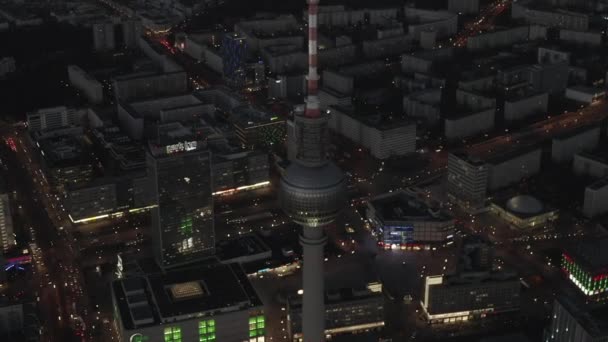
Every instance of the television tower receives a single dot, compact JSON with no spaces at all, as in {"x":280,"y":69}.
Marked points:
{"x":312,"y":191}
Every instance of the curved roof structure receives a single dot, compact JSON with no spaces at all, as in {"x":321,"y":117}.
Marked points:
{"x":524,"y":204}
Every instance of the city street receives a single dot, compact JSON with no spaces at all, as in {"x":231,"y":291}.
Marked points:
{"x":57,"y":272}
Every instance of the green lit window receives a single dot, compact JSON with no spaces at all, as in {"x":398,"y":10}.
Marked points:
{"x":206,"y":330}
{"x":257,"y":327}
{"x":186,"y":225}
{"x":173,"y":334}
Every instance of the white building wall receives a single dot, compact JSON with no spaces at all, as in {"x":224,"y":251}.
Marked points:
{"x":563,"y":150}
{"x":584,"y":165}
{"x":89,"y":86}
{"x":596,"y":199}
{"x":337,"y":81}
{"x":397,"y":141}
{"x":522,"y":108}
{"x":497,"y":39}
{"x":469,"y":125}
{"x":7,"y":235}
{"x":581,"y":37}
{"x":514,"y":169}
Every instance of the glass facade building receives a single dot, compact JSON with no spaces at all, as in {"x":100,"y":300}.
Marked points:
{"x":182,"y":219}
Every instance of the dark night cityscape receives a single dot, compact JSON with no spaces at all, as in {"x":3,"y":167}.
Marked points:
{"x":303,"y":170}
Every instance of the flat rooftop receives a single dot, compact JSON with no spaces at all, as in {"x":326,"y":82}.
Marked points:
{"x":592,"y":255}
{"x":369,"y":117}
{"x":599,"y":184}
{"x":250,"y":117}
{"x":246,"y":246}
{"x":158,"y":297}
{"x":402,"y":206}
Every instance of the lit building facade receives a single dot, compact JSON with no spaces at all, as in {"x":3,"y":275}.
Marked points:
{"x":468,"y":296}
{"x":574,"y":320}
{"x":7,"y":236}
{"x":256,"y":129}
{"x":235,"y":172}
{"x":586,"y":266}
{"x":210,"y":303}
{"x":524,"y":212}
{"x":346,"y":311}
{"x":401,"y":220}
{"x":182,"y":217}
{"x":467,"y":181}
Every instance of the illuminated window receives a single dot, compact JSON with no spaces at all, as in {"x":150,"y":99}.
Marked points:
{"x":257,"y":327}
{"x":187,"y":290}
{"x":173,"y":334}
{"x":206,"y":330}
{"x":185,"y":226}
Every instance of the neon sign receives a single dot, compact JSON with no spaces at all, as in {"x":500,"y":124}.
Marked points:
{"x":181,"y":147}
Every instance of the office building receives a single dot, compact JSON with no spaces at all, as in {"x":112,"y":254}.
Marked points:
{"x":234,"y":56}
{"x":347,"y":311}
{"x":239,"y":171}
{"x":585,"y":264}
{"x":179,"y":169}
{"x":257,"y":129}
{"x":402,"y":219}
{"x":472,"y":176}
{"x":149,"y":84}
{"x":565,"y":146}
{"x":65,"y":158}
{"x":593,"y":164}
{"x":522,"y":104}
{"x":586,"y":95}
{"x":574,"y":320}
{"x":108,"y":197}
{"x":47,"y":119}
{"x":550,"y":78}
{"x":384,"y":137}
{"x":467,"y":181}
{"x":596,"y":198}
{"x":19,"y":322}
{"x":205,"y":303}
{"x":460,"y":298}
{"x":7,"y":235}
{"x":85,"y":83}
{"x":550,"y":17}
{"x":474,"y":291}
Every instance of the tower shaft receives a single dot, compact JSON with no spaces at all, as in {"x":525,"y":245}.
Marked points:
{"x":312,"y":102}
{"x":313,"y":306}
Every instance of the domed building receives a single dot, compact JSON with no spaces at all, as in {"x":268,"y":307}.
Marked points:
{"x":524,"y":211}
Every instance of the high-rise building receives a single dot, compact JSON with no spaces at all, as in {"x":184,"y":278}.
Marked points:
{"x":467,"y":180}
{"x":575,"y":320}
{"x":234,"y":55}
{"x":7,"y":236}
{"x":312,"y":190}
{"x":586,"y":265}
{"x":182,"y":220}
